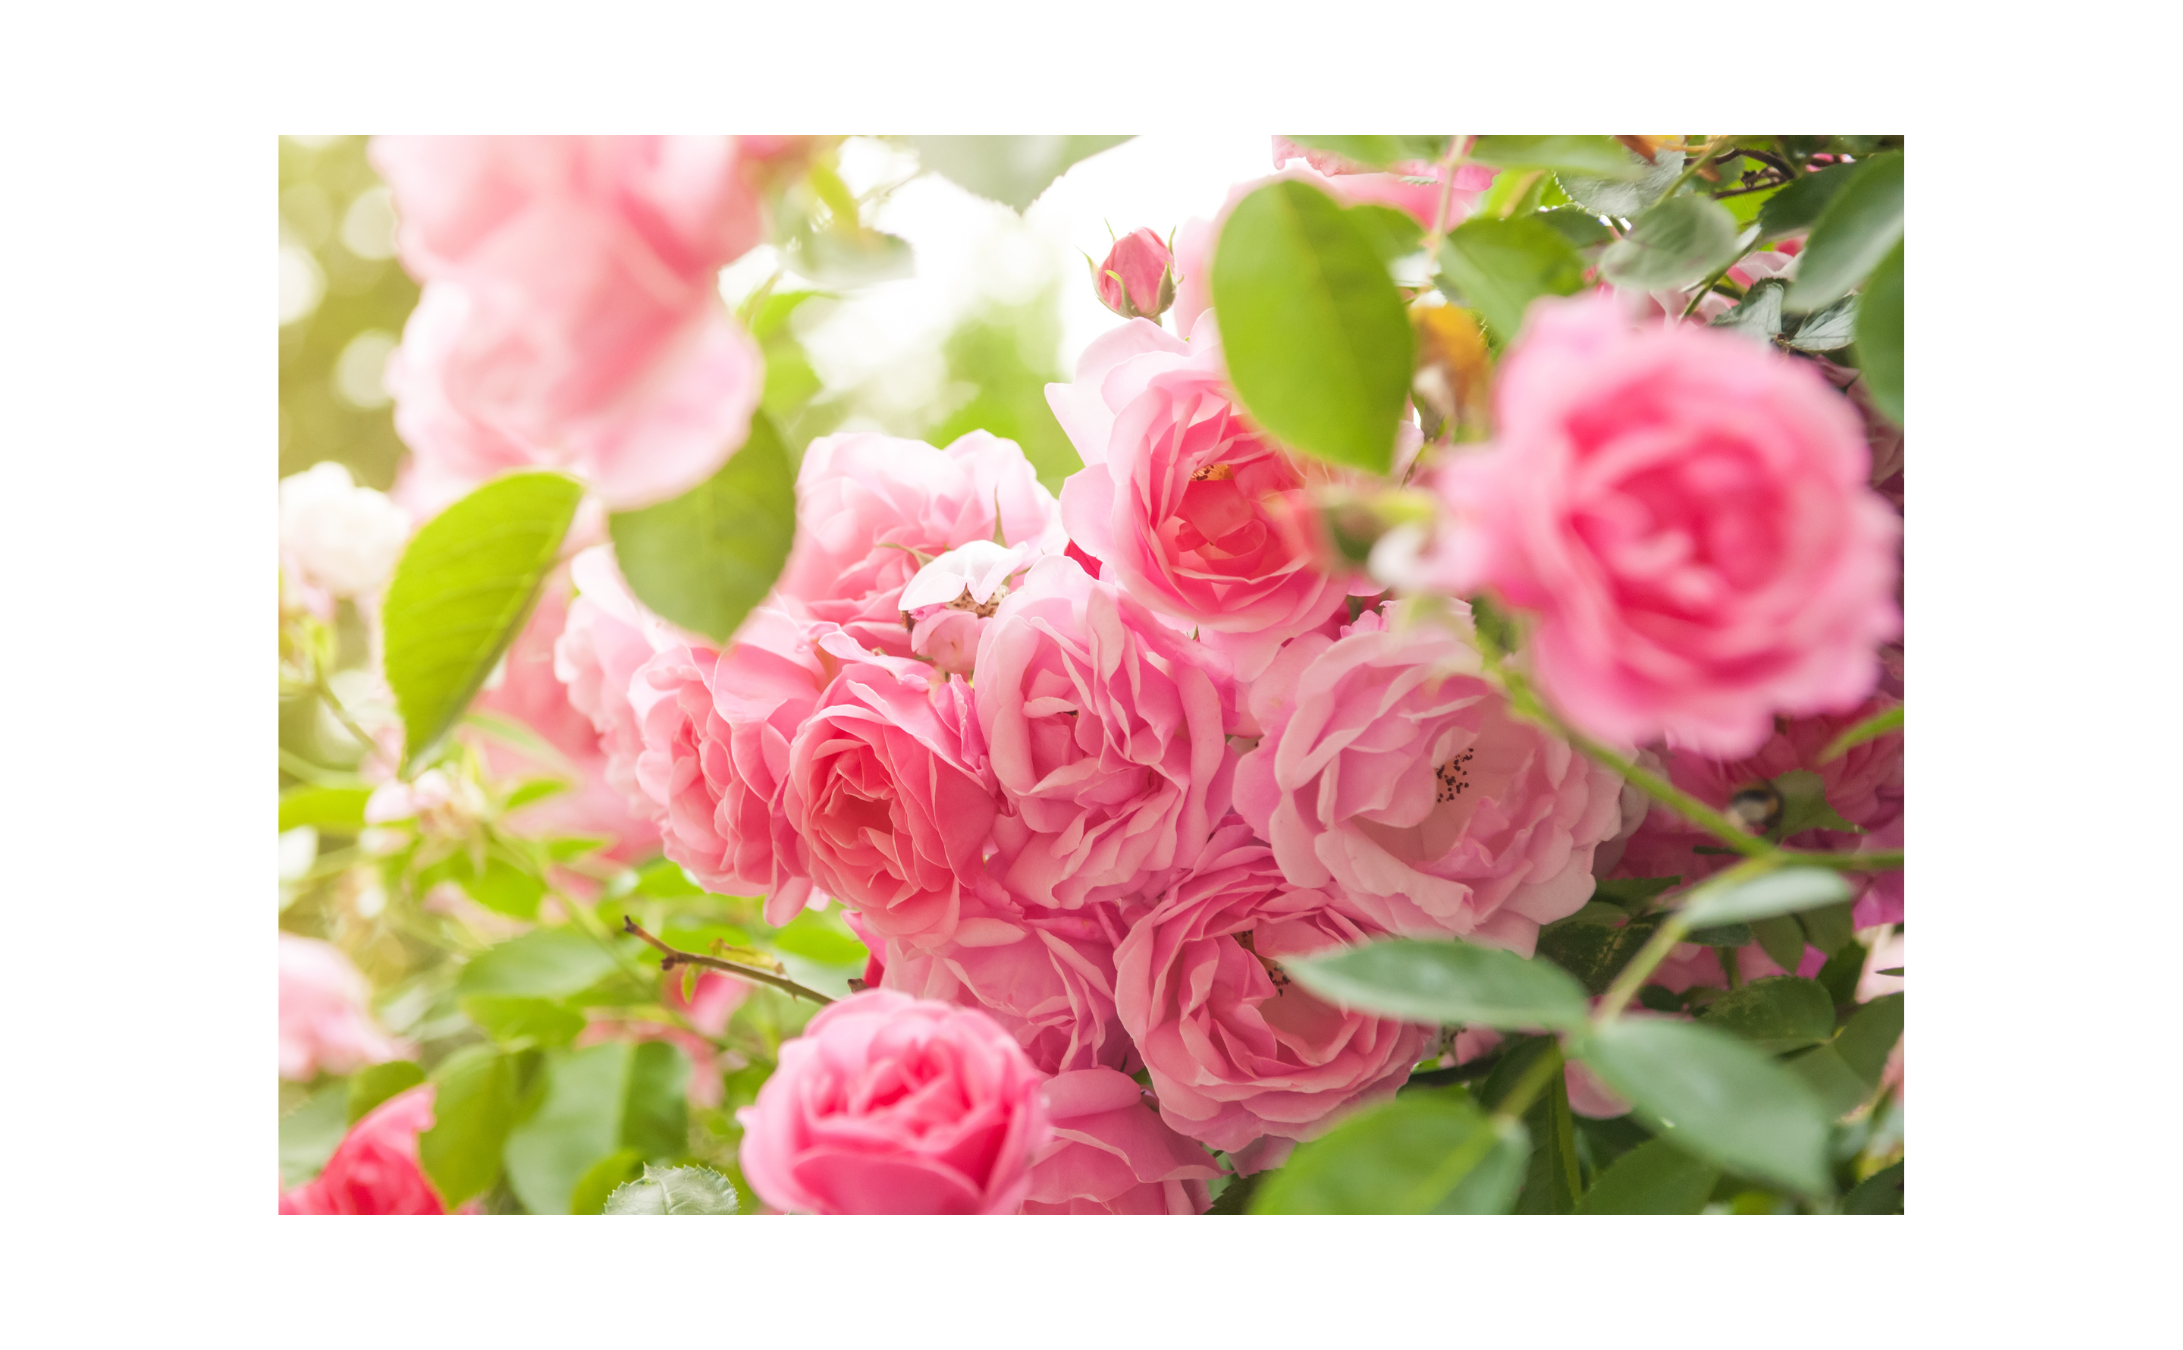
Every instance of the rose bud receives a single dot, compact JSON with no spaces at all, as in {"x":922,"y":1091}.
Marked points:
{"x":1137,"y":281}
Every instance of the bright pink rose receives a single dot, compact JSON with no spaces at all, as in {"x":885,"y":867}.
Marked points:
{"x":889,"y":793}
{"x":889,"y":1104}
{"x":1108,"y":737}
{"x":325,"y":1013}
{"x":1688,"y":516}
{"x":1390,"y":767}
{"x":1235,"y":1049}
{"x":1046,"y":976}
{"x":374,"y":1169}
{"x":871,"y":510}
{"x":1112,"y":1155}
{"x":1173,"y":498}
{"x":1137,"y":280}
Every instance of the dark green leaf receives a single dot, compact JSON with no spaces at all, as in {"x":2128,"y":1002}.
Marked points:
{"x":675,"y":1190}
{"x":1802,"y":201}
{"x":655,"y":1112}
{"x":461,"y":592}
{"x":1377,"y":152}
{"x":1626,"y":197}
{"x":1783,"y":892}
{"x":1422,"y":1153}
{"x":472,"y":1110}
{"x":310,"y":1133}
{"x":1633,"y":892}
{"x":1595,"y":156}
{"x":1012,"y":170}
{"x":1317,"y":341}
{"x":1580,"y":227}
{"x":1235,"y":1197}
{"x":1781,"y":937}
{"x":1714,"y":1097}
{"x":608,"y":1176}
{"x":334,"y":810}
{"x":1880,"y":1193}
{"x":1829,"y":927}
{"x":1501,"y":266}
{"x":1870,"y":1035}
{"x":370,"y":1086}
{"x":1832,"y":1082}
{"x":1594,"y":952}
{"x":506,"y":889}
{"x":545,"y":963}
{"x":1880,"y":339}
{"x":1804,"y":805}
{"x":1860,"y":227}
{"x":1552,"y":1180}
{"x":517,"y":1021}
{"x":1722,"y":935}
{"x":1831,"y":329}
{"x":1654,"y":1178}
{"x":1678,"y":242}
{"x":705,"y":558}
{"x":1775,"y":1014}
{"x":1449,"y":981}
{"x":1758,"y":315}
{"x":1842,"y":972}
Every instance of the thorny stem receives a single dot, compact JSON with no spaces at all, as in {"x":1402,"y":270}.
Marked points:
{"x":671,"y":957}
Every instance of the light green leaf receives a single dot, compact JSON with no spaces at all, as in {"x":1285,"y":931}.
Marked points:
{"x":461,"y":592}
{"x":1625,"y":197}
{"x":1680,"y":241}
{"x":1869,"y":1036}
{"x":1782,"y":938}
{"x":705,"y":558}
{"x":655,"y":1110}
{"x":675,"y":1190}
{"x":1012,"y":170}
{"x":1500,"y":266}
{"x":1860,"y":227}
{"x":1758,"y":315}
{"x":1829,"y":927}
{"x":1581,"y":228}
{"x":1880,"y":336}
{"x":1654,"y":1178}
{"x":1318,"y":344}
{"x":544,"y":963}
{"x":310,"y":1133}
{"x":1783,"y":892}
{"x":472,"y":1109}
{"x":1422,"y":1153}
{"x":332,"y":809}
{"x":1377,"y":152}
{"x":603,"y":1178}
{"x":517,"y":1021}
{"x":1801,"y":202}
{"x":370,"y":1086}
{"x":1594,"y":156}
{"x":850,"y":255}
{"x":506,"y":889}
{"x":577,"y":1123}
{"x":1775,"y":1014}
{"x":1804,"y":805}
{"x":1714,"y":1097}
{"x":1829,"y":330}
{"x":1448,"y":982}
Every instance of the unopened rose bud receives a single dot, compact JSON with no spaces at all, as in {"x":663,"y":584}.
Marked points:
{"x":1137,"y":281}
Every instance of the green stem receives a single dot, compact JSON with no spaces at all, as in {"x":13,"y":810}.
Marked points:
{"x":1527,"y":1089}
{"x":1670,"y":934}
{"x":1698,"y":297}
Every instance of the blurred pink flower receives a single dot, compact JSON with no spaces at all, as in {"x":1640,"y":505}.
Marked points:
{"x":889,"y":1104}
{"x":1111,"y":1154}
{"x":325,"y":1013}
{"x":374,"y":1169}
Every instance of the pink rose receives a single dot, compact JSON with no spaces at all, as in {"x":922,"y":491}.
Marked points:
{"x":889,"y":1104}
{"x":889,"y":793}
{"x":608,"y":636}
{"x":1688,"y":516}
{"x":1108,"y":738}
{"x":1390,"y":767}
{"x":1235,"y":1049}
{"x":871,"y":510}
{"x":374,"y":1169}
{"x":325,"y":1017}
{"x":1174,"y":496}
{"x":951,"y":599}
{"x":1137,"y":280}
{"x":1047,"y":977}
{"x":1111,"y":1154}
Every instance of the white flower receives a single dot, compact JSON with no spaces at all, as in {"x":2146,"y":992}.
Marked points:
{"x":344,"y":537}
{"x":977,"y":569}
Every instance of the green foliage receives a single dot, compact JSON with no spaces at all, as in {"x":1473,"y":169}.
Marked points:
{"x":675,"y":1190}
{"x":1593,"y":156}
{"x":1873,"y":727}
{"x":1880,"y":338}
{"x":1758,"y":315}
{"x":1422,"y":1153}
{"x":334,"y":810}
{"x":1869,"y":1036}
{"x":1762,"y":897}
{"x":1625,"y":195}
{"x":1880,"y":1193}
{"x":543,"y":963}
{"x":1594,"y":945}
{"x":1775,"y":1014}
{"x":1781,"y":937}
{"x":371,"y":1085}
{"x":310,"y":1133}
{"x":1552,"y":1178}
{"x":518,"y":1022}
{"x":1804,"y":805}
{"x":1678,"y":242}
{"x":1318,"y":345}
{"x":1449,"y":982}
{"x":506,"y":889}
{"x":596,"y":1101}
{"x":1581,"y":228}
{"x":1009,"y":356}
{"x":850,"y":256}
{"x":703,"y":559}
{"x":473,"y":1107}
{"x":1857,"y":231}
{"x":1714,"y":1097}
{"x":603,"y":1178}
{"x":1654,"y":1178}
{"x":461,"y":592}
{"x":1498,"y":267}
{"x":1828,"y":330}
{"x":1012,"y":170}
{"x":1830,"y":1079}
{"x":1801,"y":201}
{"x":1377,"y":152}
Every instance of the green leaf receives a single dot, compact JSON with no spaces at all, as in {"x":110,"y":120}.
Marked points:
{"x":517,"y":1021}
{"x":821,"y":936}
{"x":1722,"y":935}
{"x":1377,"y":152}
{"x":1758,"y":315}
{"x":544,"y":963}
{"x":675,"y":1190}
{"x":1801,"y":202}
{"x":1715,"y":1098}
{"x":1654,"y":1178}
{"x":1422,"y":1153}
{"x":1235,"y":1197}
{"x":1594,"y":952}
{"x":461,"y":592}
{"x":1552,"y":1179}
{"x":1880,"y":338}
{"x":1595,"y":156}
{"x":705,"y":558}
{"x":506,"y":889}
{"x":1782,"y":938}
{"x":1860,"y":227}
{"x":1012,"y":170}
{"x":598,"y":1100}
{"x":472,"y":1109}
{"x":1880,"y":1193}
{"x":1872,"y":728}
{"x":1831,"y":1081}
{"x":604,"y":1177}
{"x":1775,"y":1014}
{"x":1501,"y":266}
{"x":310,"y":1133}
{"x":1626,"y":197}
{"x":1633,"y":892}
{"x":655,"y":1110}
{"x":1678,"y":242}
{"x":850,"y":255}
{"x":1831,"y":329}
{"x":663,"y":879}
{"x":370,"y":1086}
{"x":1869,"y":1036}
{"x":535,"y":790}
{"x":1395,"y":234}
{"x":1318,"y":344}
{"x":332,"y":809}
{"x":1829,"y":927}
{"x":1580,"y":227}
{"x":1804,"y":805}
{"x":1450,"y":982}
{"x":1783,"y":892}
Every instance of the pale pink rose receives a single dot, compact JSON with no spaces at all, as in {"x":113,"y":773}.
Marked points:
{"x":608,"y":636}
{"x":1391,"y":768}
{"x":1687,"y":515}
{"x":1177,"y":495}
{"x":1112,"y":1155}
{"x":949,"y":602}
{"x":1107,"y":733}
{"x":1137,"y":279}
{"x":889,"y":1104}
{"x":1235,"y":1049}
{"x":889,"y":794}
{"x":1045,"y":976}
{"x":871,"y":510}
{"x":374,"y":1169}
{"x":325,"y":1013}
